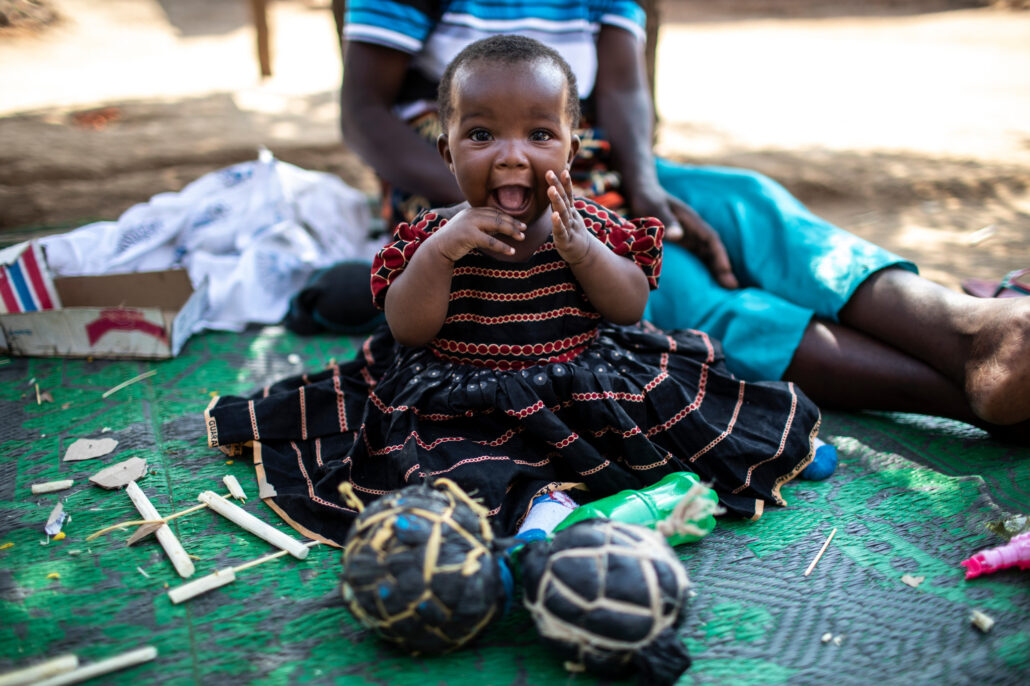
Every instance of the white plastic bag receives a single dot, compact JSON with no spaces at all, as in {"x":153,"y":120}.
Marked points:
{"x":254,"y":231}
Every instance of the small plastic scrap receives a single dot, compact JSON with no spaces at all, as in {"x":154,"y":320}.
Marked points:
{"x":826,"y":637}
{"x":981,"y":620}
{"x":837,"y":640}
{"x":912,"y":581}
{"x":53,"y":575}
{"x":1012,"y":526}
{"x":56,"y":520}
{"x":88,"y":448}
{"x":60,"y":536}
{"x":1015,"y":553}
{"x":7,"y":545}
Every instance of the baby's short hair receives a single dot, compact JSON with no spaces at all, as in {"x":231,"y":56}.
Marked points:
{"x":508,"y":49}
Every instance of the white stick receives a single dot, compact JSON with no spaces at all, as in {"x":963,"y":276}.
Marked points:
{"x":30,"y":675}
{"x":221,"y":577}
{"x":107,"y":666}
{"x":821,"y":551}
{"x":51,"y":486}
{"x":165,"y":535}
{"x":202,"y":585}
{"x":235,"y":490}
{"x":238,"y":515}
{"x":131,"y":381}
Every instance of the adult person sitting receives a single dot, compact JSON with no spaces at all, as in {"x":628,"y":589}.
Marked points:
{"x":789,"y":295}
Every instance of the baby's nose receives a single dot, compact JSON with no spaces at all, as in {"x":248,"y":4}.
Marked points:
{"x":512,"y":154}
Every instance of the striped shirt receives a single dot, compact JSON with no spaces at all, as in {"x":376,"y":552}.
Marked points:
{"x":434,"y":31}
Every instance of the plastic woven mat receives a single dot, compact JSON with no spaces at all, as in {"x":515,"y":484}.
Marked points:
{"x":912,"y":496}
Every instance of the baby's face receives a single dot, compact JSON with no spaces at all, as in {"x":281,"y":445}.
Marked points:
{"x":509,"y":126}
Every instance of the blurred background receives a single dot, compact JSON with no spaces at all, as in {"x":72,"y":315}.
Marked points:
{"x":906,"y":121}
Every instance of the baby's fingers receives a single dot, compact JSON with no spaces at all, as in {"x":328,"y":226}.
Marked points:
{"x":566,"y":179}
{"x":504,"y":224}
{"x":558,"y":186}
{"x":560,"y":208}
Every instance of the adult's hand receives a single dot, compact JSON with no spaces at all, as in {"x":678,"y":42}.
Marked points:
{"x":624,"y":111}
{"x":685,"y":226}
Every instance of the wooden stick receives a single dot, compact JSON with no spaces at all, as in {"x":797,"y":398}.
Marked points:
{"x":129,"y":659}
{"x":131,"y":381}
{"x":145,"y":528}
{"x":821,"y":551}
{"x":221,"y":577}
{"x":204,"y":584}
{"x":165,"y":535}
{"x":235,"y":489}
{"x":238,"y":515}
{"x":30,"y":675}
{"x":51,"y":486}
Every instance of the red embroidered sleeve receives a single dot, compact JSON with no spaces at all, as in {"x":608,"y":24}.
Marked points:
{"x":638,"y":239}
{"x":393,"y":258}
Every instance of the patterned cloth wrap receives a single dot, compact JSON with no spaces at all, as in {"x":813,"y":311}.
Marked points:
{"x":609,"y":597}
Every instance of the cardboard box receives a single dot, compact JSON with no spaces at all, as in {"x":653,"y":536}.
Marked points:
{"x":145,"y":315}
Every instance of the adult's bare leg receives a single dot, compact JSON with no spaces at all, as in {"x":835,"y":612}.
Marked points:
{"x":841,"y":368}
{"x":844,"y":369}
{"x":982,"y":345}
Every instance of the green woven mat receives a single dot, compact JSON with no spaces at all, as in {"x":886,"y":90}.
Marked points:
{"x":911,"y":496}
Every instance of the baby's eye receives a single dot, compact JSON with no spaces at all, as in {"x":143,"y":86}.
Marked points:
{"x":479,"y":135}
{"x":540,"y":135}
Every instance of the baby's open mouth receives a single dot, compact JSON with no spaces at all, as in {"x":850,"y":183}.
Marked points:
{"x":511,"y":199}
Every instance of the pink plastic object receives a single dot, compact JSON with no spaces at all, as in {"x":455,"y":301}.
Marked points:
{"x":1015,"y":553}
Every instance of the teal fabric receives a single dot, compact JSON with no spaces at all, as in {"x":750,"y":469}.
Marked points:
{"x":791,"y":264}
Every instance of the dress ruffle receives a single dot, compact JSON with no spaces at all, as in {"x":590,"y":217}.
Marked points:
{"x":637,"y":239}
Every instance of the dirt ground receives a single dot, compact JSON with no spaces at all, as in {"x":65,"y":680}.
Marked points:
{"x":906,"y":121}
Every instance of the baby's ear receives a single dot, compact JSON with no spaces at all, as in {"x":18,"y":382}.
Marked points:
{"x":573,"y":149}
{"x":444,"y":147}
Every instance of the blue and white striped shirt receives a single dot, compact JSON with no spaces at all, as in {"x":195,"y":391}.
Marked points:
{"x":434,"y":31}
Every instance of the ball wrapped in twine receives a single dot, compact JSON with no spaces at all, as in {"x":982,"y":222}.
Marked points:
{"x":419,"y":569}
{"x":609,"y":596}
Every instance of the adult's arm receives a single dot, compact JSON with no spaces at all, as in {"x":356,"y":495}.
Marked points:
{"x":372,"y":78}
{"x":624,"y":112}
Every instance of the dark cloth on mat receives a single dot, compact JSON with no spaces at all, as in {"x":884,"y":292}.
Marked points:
{"x":524,"y":389}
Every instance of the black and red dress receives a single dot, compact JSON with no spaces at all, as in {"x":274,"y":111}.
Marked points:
{"x":525,"y":388}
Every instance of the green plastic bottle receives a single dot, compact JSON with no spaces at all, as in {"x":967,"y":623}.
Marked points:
{"x":679,"y":506}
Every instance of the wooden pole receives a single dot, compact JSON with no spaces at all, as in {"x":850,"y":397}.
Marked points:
{"x":165,"y":535}
{"x":129,"y":659}
{"x":51,"y":486}
{"x":260,"y":10}
{"x":220,"y":578}
{"x":238,"y":515}
{"x":31,"y":675}
{"x":204,"y":584}
{"x":235,"y":489}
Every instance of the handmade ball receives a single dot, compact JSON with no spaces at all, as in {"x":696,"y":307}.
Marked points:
{"x":609,"y":596}
{"x":418,"y":569}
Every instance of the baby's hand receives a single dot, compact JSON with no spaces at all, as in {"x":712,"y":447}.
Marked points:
{"x":477,"y":228}
{"x":571,"y":237}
